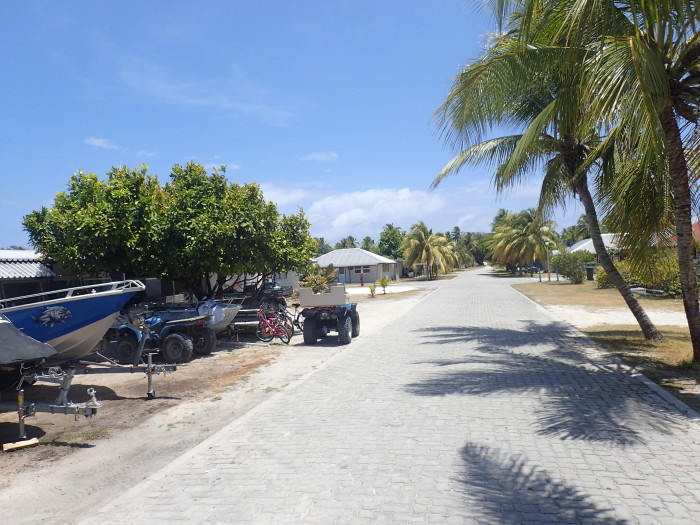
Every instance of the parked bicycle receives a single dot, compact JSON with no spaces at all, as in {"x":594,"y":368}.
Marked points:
{"x":271,"y":325}
{"x":291,"y":320}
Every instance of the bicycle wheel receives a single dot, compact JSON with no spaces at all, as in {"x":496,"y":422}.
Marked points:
{"x":288,"y":325}
{"x":283,"y":334}
{"x":264,"y":333}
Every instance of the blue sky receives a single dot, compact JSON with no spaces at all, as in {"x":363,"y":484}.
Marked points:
{"x":327,"y":104}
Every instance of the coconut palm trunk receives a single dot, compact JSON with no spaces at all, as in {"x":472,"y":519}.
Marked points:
{"x":678,"y":169}
{"x":647,"y":326}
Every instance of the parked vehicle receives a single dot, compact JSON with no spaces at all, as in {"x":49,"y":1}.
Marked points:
{"x":175,"y":336}
{"x":271,"y":325}
{"x":328,"y":312}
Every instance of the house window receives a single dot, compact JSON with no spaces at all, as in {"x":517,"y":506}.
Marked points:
{"x":365,"y":269}
{"x":358,"y":269}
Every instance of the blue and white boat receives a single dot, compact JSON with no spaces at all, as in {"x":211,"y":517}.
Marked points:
{"x":72,"y":320}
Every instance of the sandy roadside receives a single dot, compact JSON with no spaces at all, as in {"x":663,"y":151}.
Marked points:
{"x":583,"y":317}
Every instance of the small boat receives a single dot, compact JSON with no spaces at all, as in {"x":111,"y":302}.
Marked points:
{"x":219,"y":313}
{"x":72,"y":320}
{"x":18,"y":350}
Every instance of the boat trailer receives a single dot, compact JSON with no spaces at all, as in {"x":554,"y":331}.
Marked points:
{"x":62,"y":405}
{"x":64,"y":375}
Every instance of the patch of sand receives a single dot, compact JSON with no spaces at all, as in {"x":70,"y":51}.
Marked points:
{"x":584,"y":317}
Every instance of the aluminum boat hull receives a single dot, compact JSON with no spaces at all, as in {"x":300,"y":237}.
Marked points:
{"x":72,"y":320}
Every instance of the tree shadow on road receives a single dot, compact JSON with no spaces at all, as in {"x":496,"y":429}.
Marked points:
{"x":580,"y":398}
{"x":510,"y":490}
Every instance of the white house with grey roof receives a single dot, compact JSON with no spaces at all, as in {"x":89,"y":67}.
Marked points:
{"x":356,"y":265}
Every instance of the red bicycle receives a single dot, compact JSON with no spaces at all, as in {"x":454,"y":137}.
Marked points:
{"x":271,"y":325}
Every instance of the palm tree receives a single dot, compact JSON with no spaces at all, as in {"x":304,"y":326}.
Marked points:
{"x":422,"y":247}
{"x":521,"y":239}
{"x":578,"y":232}
{"x":642,"y":74}
{"x":346,"y":242}
{"x":646,"y":74}
{"x":536,"y":86}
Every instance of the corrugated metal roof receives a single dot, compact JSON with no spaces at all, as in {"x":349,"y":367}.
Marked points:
{"x":23,"y":270}
{"x":586,"y":245}
{"x":19,"y":255}
{"x":351,"y":257}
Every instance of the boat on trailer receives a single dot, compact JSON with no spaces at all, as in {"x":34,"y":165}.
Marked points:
{"x":71,"y":320}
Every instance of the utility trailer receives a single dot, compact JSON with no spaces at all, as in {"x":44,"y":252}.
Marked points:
{"x":329,"y":312}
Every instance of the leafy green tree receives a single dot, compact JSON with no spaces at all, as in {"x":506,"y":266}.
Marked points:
{"x":100,"y":226}
{"x":433,"y":251}
{"x":543,"y":96}
{"x":369,"y":244}
{"x":390,"y":241}
{"x":198,"y":229}
{"x":573,"y":234}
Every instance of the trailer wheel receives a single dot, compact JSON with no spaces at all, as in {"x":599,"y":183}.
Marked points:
{"x":204,"y":339}
{"x":126,"y":348}
{"x":345,"y":329}
{"x":177,"y":348}
{"x":310,"y":335}
{"x":356,"y":325}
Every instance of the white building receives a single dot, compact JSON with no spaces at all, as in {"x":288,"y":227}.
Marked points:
{"x":357,"y":265}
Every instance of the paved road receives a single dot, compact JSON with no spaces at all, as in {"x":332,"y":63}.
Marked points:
{"x":476,"y":407}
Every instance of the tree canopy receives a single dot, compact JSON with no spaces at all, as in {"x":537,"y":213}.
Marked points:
{"x":390,"y":242}
{"x":198,"y":228}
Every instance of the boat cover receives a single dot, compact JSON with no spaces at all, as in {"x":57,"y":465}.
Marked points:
{"x":15,"y":347}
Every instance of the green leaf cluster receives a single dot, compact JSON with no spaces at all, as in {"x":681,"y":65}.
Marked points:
{"x":319,"y":279}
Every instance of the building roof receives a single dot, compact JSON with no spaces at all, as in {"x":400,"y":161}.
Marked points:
{"x":19,"y":255}
{"x":351,"y":257}
{"x":586,"y":245}
{"x":22,"y":264}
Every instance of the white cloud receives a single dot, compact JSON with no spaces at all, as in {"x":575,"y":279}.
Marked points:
{"x":321,"y":156}
{"x":145,"y":153}
{"x":366,"y":212}
{"x":143,"y":77}
{"x":101,"y":143}
{"x":288,"y":198}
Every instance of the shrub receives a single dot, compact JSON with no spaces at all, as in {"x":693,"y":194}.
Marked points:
{"x":601,"y":278}
{"x":320,"y":279}
{"x":571,"y":265}
{"x":660,"y":273}
{"x":383,"y":282}
{"x":372,"y":289}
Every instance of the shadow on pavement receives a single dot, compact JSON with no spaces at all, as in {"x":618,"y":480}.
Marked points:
{"x":579,"y":399}
{"x":509,"y":490}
